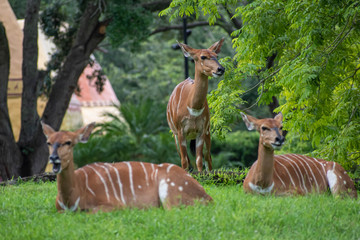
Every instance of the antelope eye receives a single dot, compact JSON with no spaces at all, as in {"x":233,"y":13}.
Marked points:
{"x":203,"y":57}
{"x":265,"y":128}
{"x":281,"y":128}
{"x":67,"y":143}
{"x":48,"y":143}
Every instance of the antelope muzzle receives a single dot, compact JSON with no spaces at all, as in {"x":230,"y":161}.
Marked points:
{"x":54,"y":159}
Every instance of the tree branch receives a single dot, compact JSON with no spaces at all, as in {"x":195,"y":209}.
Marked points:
{"x":155,"y":6}
{"x":179,"y":27}
{"x":238,"y":24}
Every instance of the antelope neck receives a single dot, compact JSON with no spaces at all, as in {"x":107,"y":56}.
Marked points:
{"x":199,"y":91}
{"x":67,"y":185}
{"x":263,"y":176}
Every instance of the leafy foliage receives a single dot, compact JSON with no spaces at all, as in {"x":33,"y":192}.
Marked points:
{"x":181,"y":8}
{"x":59,"y":21}
{"x":315,"y":75}
{"x":130,"y":23}
{"x":224,"y":100}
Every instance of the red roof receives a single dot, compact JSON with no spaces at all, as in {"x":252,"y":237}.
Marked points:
{"x":88,"y":94}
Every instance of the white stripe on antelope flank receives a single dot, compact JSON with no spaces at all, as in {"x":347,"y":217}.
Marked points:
{"x":131,"y":180}
{"x":306,"y":172}
{"x":173,"y":96}
{"x":168,"y":168}
{"x":312,"y":173}
{"x":301,"y":179}
{"x":163,"y":190}
{"x":277,"y":175}
{"x":152,"y":173}
{"x":182,"y":88}
{"x":287,"y":173}
{"x":110,"y":179}
{"x":332,"y":178}
{"x":156,"y":173}
{"x":322,"y":174}
{"x":87,"y":183}
{"x":172,"y":125}
{"x":290,"y":162}
{"x":146,"y":175}
{"x":322,"y":165}
{"x":102,"y":180}
{"x":119,"y":182}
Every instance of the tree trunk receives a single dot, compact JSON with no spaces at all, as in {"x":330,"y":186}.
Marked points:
{"x":90,"y":33}
{"x":275,"y":103}
{"x":31,"y":140}
{"x":10,"y":156}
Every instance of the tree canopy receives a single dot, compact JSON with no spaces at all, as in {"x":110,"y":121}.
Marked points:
{"x":315,"y":47}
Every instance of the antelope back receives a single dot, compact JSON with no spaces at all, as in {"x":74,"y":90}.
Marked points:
{"x":303,"y":175}
{"x":136,"y":184}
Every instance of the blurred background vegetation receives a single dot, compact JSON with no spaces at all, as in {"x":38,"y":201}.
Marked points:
{"x":143,"y":69}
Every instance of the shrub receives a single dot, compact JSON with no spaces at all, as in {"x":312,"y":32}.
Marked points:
{"x":238,"y":149}
{"x":139,"y":134}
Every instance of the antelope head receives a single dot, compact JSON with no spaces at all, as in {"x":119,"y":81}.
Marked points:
{"x":270,"y":129}
{"x":205,"y":59}
{"x":61,"y":144}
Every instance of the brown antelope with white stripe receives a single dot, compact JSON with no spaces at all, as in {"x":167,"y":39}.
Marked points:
{"x":187,"y":110}
{"x":290,"y":173}
{"x":108,"y":186}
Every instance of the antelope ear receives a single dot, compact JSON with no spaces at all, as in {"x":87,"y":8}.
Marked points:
{"x":279,"y":117}
{"x":249,"y":121}
{"x":47,"y":129}
{"x":216,"y":47}
{"x":85,"y":132}
{"x":187,"y":51}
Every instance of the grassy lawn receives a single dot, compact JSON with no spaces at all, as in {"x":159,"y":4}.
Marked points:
{"x":27,"y":211}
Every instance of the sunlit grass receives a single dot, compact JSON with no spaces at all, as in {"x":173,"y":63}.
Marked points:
{"x":27,"y":211}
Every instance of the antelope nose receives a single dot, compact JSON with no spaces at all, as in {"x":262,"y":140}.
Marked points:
{"x":220,"y":70}
{"x":280,"y":139}
{"x":53,"y":158}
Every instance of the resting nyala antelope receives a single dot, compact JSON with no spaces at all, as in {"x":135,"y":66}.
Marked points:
{"x":108,"y":186}
{"x":187,"y":110}
{"x":290,"y":173}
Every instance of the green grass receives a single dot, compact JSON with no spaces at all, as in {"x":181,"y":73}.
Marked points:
{"x":27,"y":211}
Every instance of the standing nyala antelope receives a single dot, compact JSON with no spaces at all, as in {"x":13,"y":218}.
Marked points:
{"x":290,"y":173}
{"x":187,"y":110}
{"x":108,"y":186}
